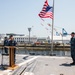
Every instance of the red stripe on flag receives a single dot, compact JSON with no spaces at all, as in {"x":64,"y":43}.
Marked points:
{"x":43,"y":13}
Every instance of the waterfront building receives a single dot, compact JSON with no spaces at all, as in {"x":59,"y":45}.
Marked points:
{"x":24,"y":39}
{"x":41,"y":39}
{"x":60,"y":39}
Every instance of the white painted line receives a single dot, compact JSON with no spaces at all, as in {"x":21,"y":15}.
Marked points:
{"x":56,"y":57}
{"x":52,"y":74}
{"x":21,"y":55}
{"x":29,"y":73}
{"x":25,"y":62}
{"x":8,"y":72}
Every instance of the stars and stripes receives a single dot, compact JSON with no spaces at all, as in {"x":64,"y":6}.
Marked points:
{"x":46,"y":11}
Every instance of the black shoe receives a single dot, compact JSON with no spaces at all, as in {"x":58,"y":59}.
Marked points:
{"x":72,"y":63}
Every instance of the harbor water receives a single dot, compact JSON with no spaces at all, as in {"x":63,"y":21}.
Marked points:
{"x":43,"y":52}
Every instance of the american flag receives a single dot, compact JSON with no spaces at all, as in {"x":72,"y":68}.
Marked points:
{"x":46,"y":11}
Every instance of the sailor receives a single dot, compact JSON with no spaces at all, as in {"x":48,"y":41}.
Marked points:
{"x":72,"y":42}
{"x":12,"y":42}
{"x":6,"y":44}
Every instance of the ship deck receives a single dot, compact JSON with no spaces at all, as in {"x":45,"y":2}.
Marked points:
{"x":39,"y":65}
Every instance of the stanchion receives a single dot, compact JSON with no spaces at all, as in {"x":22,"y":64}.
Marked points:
{"x":12,"y":64}
{"x":2,"y":67}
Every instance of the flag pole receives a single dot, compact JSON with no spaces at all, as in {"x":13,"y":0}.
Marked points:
{"x":52,"y":30}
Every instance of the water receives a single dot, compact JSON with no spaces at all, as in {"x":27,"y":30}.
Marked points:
{"x":43,"y":52}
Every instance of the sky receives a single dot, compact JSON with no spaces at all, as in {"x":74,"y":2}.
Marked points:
{"x":16,"y":16}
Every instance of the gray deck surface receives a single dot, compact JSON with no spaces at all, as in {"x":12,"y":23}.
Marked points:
{"x":54,"y":66}
{"x":42,"y":65}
